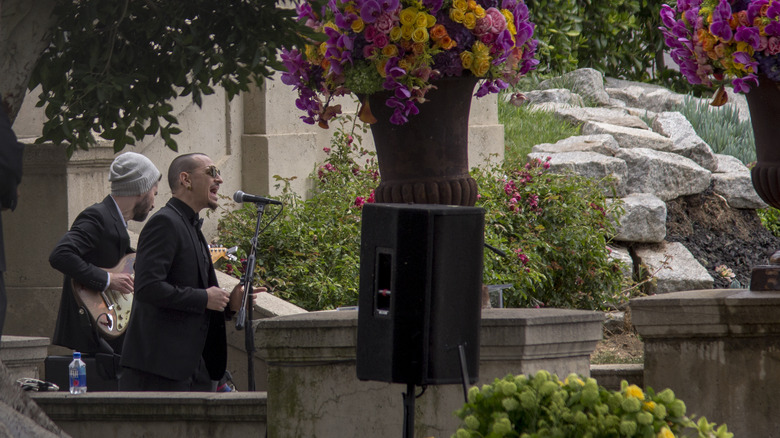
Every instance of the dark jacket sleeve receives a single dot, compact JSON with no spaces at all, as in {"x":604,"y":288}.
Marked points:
{"x":70,"y":253}
{"x":10,"y":163}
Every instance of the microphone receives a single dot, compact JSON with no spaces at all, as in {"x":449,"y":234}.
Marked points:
{"x":240,"y":196}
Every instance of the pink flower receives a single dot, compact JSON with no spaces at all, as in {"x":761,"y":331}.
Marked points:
{"x":384,"y":23}
{"x":326,"y":150}
{"x":773,"y":45}
{"x":359,"y":201}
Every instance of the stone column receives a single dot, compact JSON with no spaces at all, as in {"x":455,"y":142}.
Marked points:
{"x":313,"y":389}
{"x":719,"y":351}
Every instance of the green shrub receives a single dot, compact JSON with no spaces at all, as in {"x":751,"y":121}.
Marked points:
{"x":721,"y":128}
{"x":310,"y":256}
{"x":543,"y":406}
{"x":770,"y":219}
{"x":554,"y":229}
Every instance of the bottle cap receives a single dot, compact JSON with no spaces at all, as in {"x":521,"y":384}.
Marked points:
{"x":76,"y":355}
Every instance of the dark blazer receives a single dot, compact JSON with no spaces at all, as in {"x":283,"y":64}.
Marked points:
{"x":170,"y":328}
{"x":97,"y":239}
{"x":10,"y":176}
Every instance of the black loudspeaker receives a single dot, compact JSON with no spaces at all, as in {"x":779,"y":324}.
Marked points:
{"x":420,"y":293}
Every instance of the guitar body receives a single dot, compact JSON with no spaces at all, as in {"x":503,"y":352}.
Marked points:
{"x":109,"y":310}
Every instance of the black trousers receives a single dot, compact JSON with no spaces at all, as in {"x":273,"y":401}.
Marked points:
{"x":132,"y":379}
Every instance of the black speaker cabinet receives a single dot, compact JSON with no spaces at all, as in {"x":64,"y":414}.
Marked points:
{"x":420,"y":293}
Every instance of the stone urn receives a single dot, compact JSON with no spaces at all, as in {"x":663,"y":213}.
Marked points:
{"x":764,"y":104}
{"x":425,"y":161}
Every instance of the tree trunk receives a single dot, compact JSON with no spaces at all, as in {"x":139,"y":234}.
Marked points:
{"x":24,"y":26}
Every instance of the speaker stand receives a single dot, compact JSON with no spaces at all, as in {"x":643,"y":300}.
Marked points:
{"x":464,"y":372}
{"x":409,"y":411}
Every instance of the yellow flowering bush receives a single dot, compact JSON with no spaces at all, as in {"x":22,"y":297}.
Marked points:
{"x":543,"y":406}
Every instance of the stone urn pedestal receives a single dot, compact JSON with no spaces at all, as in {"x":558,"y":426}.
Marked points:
{"x":719,"y":351}
{"x":313,"y":389}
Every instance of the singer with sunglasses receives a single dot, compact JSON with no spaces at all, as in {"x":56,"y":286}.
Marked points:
{"x":176,"y":337}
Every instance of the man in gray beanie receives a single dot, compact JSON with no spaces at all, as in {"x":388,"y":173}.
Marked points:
{"x":97,"y":242}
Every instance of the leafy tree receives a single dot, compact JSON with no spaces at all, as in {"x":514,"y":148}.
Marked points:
{"x":112,"y":66}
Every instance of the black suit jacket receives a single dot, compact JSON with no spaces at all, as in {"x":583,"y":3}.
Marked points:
{"x":98,"y":239}
{"x":170,"y":328}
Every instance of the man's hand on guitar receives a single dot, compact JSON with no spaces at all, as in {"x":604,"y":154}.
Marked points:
{"x":218,"y":298}
{"x":121,"y":282}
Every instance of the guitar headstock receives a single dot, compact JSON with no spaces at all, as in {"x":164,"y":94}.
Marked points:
{"x":218,"y":252}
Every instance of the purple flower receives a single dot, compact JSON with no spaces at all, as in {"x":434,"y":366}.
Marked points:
{"x":433,"y":6}
{"x":370,"y":10}
{"x":721,"y":29}
{"x":742,"y":85}
{"x":754,"y":9}
{"x":772,"y":29}
{"x":749,"y":35}
{"x":667,"y":16}
{"x":774,"y":10}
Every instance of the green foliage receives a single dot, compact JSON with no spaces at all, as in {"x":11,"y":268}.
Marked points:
{"x":721,"y":128}
{"x":543,"y":406}
{"x":311,"y":255}
{"x":524,"y":128}
{"x":620,"y":38}
{"x":113,"y":66}
{"x":770,"y":219}
{"x":554,"y":229}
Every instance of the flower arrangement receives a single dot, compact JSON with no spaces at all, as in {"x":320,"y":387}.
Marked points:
{"x":544,"y":406}
{"x":403,"y":46}
{"x":717,"y":41}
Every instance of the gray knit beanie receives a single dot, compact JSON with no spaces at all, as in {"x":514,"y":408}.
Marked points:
{"x":132,"y":174}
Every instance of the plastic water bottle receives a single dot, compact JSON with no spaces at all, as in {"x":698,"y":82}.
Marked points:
{"x":77,"y":370}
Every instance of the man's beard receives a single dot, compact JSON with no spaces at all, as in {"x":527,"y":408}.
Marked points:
{"x":141,"y":211}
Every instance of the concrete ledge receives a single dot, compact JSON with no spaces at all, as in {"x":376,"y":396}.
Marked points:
{"x":610,"y":376}
{"x":23,"y":356}
{"x":134,"y":414}
{"x":313,"y":388}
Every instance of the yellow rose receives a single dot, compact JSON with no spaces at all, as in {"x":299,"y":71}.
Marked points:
{"x":420,"y":35}
{"x":479,"y":11}
{"x":395,"y":34}
{"x":421,"y":20}
{"x":510,"y":18}
{"x":665,"y":433}
{"x":390,"y":50}
{"x":480,"y":66}
{"x":404,"y":64}
{"x":430,"y":20}
{"x":408,"y":15}
{"x":469,"y":20}
{"x":649,"y":406}
{"x":407,"y":31}
{"x":460,"y":5}
{"x":358,"y":26}
{"x":380,"y":67}
{"x":480,"y":50}
{"x":456,"y":15}
{"x":466,"y":59}
{"x":311,"y":52}
{"x":472,"y":4}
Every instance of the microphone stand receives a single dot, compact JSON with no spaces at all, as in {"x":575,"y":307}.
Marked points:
{"x":245,"y":312}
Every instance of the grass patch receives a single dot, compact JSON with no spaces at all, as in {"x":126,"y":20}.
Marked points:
{"x":525,"y":128}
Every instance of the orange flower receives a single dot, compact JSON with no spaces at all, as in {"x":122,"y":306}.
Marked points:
{"x":438,"y":32}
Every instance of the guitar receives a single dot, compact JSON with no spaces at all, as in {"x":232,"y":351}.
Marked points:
{"x":109,"y":310}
